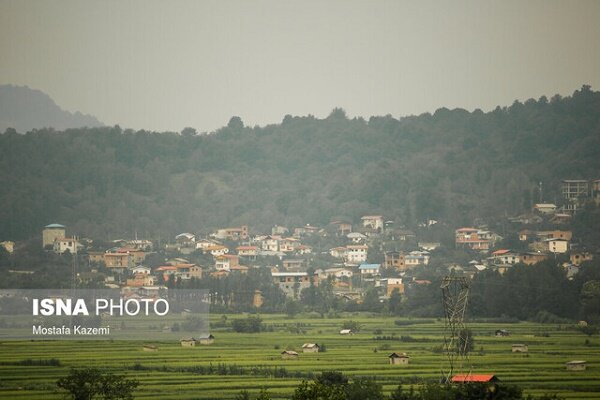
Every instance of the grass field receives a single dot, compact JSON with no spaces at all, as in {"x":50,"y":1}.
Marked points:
{"x":252,"y":361}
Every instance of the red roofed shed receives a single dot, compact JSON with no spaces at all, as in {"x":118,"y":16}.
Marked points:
{"x":474,"y":378}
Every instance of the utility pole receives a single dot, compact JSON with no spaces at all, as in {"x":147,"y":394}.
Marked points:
{"x":455,"y":295}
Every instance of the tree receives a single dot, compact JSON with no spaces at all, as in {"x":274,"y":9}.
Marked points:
{"x":364,"y":389}
{"x":235,"y":123}
{"x":318,"y":391}
{"x":590,"y":300}
{"x":292,"y":307}
{"x":371,"y":301}
{"x":354,"y":326}
{"x":88,"y":383}
{"x":329,"y":378}
{"x":188,"y":131}
{"x":395,"y":302}
{"x":251,"y":324}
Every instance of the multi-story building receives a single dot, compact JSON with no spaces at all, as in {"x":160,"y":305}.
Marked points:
{"x":292,"y":283}
{"x":393,"y":283}
{"x":294,"y":263}
{"x":247,"y":251}
{"x":394,"y":259}
{"x":356,"y":254}
{"x":596,"y":191}
{"x":369,"y":269}
{"x":532,"y":258}
{"x":238,"y":233}
{"x":574,"y":191}
{"x":475,"y":239}
{"x":342,"y":228}
{"x":557,"y":245}
{"x":64,"y":245}
{"x":374,"y":222}
{"x":288,"y":245}
{"x":416,"y":258}
{"x":51,"y":233}
{"x":556,"y":234}
{"x":181,"y":271}
{"x":504,"y":257}
{"x":119,"y":261}
{"x":226,"y":262}
{"x":269,"y":242}
{"x":356,"y":237}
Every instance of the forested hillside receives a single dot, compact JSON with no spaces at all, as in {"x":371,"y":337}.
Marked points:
{"x":453,"y":166}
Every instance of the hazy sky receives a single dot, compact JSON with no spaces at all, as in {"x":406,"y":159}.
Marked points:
{"x":165,"y":65}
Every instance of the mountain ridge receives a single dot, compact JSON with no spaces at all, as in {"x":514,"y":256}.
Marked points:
{"x":25,"y":109}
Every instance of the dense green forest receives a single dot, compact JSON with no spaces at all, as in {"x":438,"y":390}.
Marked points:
{"x":454,"y":166}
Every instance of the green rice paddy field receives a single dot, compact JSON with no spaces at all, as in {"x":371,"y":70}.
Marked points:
{"x":239,"y":361}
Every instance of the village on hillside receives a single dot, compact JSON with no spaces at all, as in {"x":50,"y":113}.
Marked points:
{"x":352,"y":256}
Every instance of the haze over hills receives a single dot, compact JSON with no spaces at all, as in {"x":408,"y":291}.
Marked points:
{"x":25,"y":109}
{"x":454,"y":166}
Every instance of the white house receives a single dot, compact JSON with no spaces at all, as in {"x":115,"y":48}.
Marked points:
{"x":356,"y":254}
{"x":356,"y":237}
{"x":545,"y":208}
{"x":226,"y":262}
{"x":373,"y":221}
{"x":288,"y":244}
{"x":338,"y":252}
{"x":559,"y":246}
{"x":270,"y":243}
{"x":217,"y":250}
{"x":185,"y":238}
{"x":140,"y":269}
{"x":504,"y":256}
{"x":66,"y":244}
{"x":338,"y":273}
{"x":203,"y":244}
{"x":247,"y":251}
{"x":304,"y":249}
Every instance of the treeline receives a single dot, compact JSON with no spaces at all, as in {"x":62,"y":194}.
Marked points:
{"x":540,"y":292}
{"x":336,"y":386}
{"x":451,"y":165}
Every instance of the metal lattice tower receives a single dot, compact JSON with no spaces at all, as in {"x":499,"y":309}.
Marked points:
{"x":455,"y":294}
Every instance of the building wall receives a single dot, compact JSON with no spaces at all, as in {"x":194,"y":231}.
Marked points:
{"x":51,"y":234}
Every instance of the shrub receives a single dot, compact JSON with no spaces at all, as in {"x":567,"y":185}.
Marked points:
{"x":251,"y":324}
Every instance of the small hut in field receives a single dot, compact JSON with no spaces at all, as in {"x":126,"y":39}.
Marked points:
{"x":289,"y":355}
{"x":209,"y":339}
{"x":399,"y":359}
{"x":520,"y":348}
{"x":576,"y":365}
{"x":188,"y":342}
{"x":310,"y":348}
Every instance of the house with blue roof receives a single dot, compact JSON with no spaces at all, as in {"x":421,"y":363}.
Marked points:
{"x":369,"y":269}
